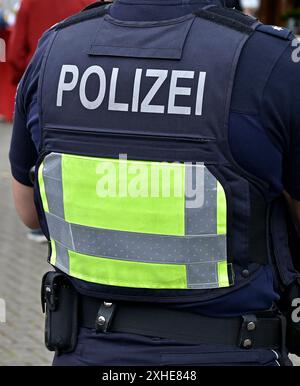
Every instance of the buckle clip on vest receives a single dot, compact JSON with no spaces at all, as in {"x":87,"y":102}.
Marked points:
{"x":105,"y":316}
{"x":248,"y":329}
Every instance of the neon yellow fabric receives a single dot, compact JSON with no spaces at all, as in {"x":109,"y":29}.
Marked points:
{"x":98,"y":193}
{"x":127,"y":274}
{"x":223,"y":278}
{"x":221,"y":211}
{"x":53,"y":253}
{"x":42,"y":188}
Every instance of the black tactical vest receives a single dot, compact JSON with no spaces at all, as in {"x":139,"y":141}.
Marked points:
{"x":151,"y":97}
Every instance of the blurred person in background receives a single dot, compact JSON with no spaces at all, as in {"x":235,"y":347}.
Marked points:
{"x":2,"y":19}
{"x":250,"y":7}
{"x":34,"y":18}
{"x":11,"y":7}
{"x":3,"y":25}
{"x":7,"y":89}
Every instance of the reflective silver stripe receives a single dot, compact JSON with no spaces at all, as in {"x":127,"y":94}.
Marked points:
{"x":201,"y":205}
{"x":137,"y":246}
{"x":202,"y":275}
{"x":199,"y":275}
{"x":52,"y":175}
{"x":62,"y":258}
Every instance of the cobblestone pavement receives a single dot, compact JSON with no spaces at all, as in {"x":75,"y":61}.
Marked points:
{"x":22,"y":264}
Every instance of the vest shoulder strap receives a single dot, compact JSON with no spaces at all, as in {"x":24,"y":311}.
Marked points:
{"x":93,"y":11}
{"x":229,"y":18}
{"x":277,"y":32}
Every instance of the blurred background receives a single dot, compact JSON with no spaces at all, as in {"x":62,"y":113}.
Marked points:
{"x":22,"y":255}
{"x":22,"y":23}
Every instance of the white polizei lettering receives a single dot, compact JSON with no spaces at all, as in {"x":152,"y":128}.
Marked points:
{"x":70,"y":78}
{"x":66,"y":86}
{"x":175,"y":90}
{"x":200,"y":93}
{"x":112,"y":104}
{"x":136,"y":90}
{"x":93,"y":105}
{"x":161,"y":76}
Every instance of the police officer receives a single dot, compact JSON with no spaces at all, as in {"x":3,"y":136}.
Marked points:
{"x":164,"y":135}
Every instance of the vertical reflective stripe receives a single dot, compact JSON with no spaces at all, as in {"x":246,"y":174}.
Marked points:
{"x":62,"y":258}
{"x":42,"y":189}
{"x":221,"y":210}
{"x":201,"y":197}
{"x":223,"y":278}
{"x":52,"y":173}
{"x":50,"y":181}
{"x":127,"y":274}
{"x":92,"y":196}
{"x":60,"y":230}
{"x":53,"y":253}
{"x":202,"y":275}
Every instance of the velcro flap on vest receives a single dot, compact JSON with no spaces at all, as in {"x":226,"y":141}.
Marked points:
{"x":141,"y":39}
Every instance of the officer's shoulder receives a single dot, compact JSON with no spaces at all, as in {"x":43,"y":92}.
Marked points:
{"x":276,"y":32}
{"x":93,"y":11}
{"x":237,"y":20}
{"x":228,"y":17}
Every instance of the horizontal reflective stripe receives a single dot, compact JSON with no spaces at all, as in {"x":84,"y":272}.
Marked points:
{"x":141,"y":275}
{"x":136,"y":246}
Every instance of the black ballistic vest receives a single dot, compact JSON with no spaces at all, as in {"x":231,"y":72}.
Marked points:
{"x":157,"y":92}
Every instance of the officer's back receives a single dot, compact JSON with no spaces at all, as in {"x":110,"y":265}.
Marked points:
{"x":207,"y":97}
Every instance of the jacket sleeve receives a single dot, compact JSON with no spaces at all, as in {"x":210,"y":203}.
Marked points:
{"x":281,"y":101}
{"x":26,"y":130}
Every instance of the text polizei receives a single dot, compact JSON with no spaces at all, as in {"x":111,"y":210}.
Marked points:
{"x":70,"y":78}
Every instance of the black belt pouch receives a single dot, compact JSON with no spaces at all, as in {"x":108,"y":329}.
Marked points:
{"x":60,"y":304}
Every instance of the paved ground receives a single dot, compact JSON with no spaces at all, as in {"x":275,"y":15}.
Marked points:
{"x":22,"y":264}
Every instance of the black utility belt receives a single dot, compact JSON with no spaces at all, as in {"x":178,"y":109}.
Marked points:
{"x":67,"y":311}
{"x":249,"y":331}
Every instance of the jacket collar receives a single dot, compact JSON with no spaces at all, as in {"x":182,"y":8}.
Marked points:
{"x":202,"y":3}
